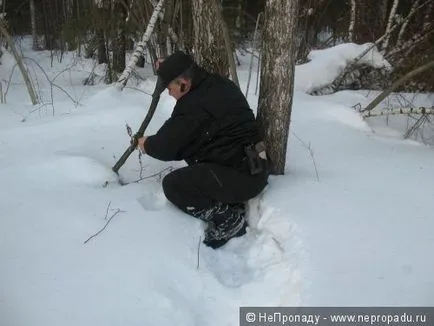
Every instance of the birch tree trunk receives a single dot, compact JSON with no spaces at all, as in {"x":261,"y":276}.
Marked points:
{"x":352,"y":21}
{"x":138,"y":52}
{"x":390,"y":23}
{"x":277,"y":78}
{"x":20,"y":63}
{"x":209,"y":43}
{"x":405,"y":24}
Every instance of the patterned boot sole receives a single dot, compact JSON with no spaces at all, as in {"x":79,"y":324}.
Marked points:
{"x":217,"y":243}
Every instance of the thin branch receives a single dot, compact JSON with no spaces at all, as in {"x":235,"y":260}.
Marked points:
{"x":170,"y":30}
{"x":106,"y":213}
{"x":19,"y":61}
{"x":309,"y":148}
{"x":138,"y":52}
{"x":198,"y":252}
{"x":405,"y":24}
{"x":153,"y":175}
{"x":51,"y":82}
{"x":129,"y":11}
{"x":9,"y":81}
{"x":352,"y":20}
{"x":105,"y":226}
{"x":389,"y":24}
{"x":416,"y":126}
{"x":138,"y":89}
{"x":141,"y":165}
{"x":258,"y":72}
{"x":252,"y":54}
{"x":228,"y":42}
{"x":397,"y":83}
{"x":410,"y":44}
{"x":426,"y":18}
{"x":418,"y":38}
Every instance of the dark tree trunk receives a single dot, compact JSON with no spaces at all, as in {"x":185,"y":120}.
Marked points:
{"x":119,"y":41}
{"x":187,"y":33}
{"x":371,"y":20}
{"x":102,"y":49}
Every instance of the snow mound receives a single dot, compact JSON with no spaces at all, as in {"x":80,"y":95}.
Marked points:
{"x":327,"y":64}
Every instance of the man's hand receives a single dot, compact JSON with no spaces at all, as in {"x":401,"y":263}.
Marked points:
{"x":158,"y":62}
{"x":141,"y":143}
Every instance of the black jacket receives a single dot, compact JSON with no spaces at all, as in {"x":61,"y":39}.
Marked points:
{"x":211,"y":123}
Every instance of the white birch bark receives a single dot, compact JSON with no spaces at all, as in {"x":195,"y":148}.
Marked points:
{"x":277,"y":78}
{"x":426,"y":19}
{"x":404,"y":25}
{"x":122,"y":81}
{"x":417,"y":37}
{"x":409,"y":45}
{"x":253,"y":49}
{"x":352,"y":21}
{"x":20,"y":64}
{"x":170,"y":30}
{"x":129,"y":11}
{"x":390,"y":23}
{"x":168,"y":45}
{"x":394,"y":111}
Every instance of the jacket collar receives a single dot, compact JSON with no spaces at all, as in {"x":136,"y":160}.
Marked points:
{"x":199,"y":75}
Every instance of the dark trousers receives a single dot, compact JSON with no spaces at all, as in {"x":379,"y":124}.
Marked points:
{"x":204,"y":185}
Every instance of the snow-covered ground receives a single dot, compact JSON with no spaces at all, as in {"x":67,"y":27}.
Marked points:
{"x":350,"y":223}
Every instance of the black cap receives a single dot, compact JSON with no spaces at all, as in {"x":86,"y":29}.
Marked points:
{"x":173,"y":66}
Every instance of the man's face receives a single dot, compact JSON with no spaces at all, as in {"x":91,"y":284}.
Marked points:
{"x":178,"y":87}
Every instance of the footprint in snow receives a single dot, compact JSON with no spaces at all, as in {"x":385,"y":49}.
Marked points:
{"x":266,"y":249}
{"x":228,"y":266}
{"x":153,"y":200}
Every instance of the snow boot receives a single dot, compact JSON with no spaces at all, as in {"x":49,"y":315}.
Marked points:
{"x":227,"y":222}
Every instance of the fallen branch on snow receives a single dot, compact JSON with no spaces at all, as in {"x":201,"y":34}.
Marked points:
{"x":397,"y":83}
{"x":159,"y":174}
{"x":395,"y":111}
{"x":309,"y":148}
{"x":105,"y":226}
{"x":198,"y":252}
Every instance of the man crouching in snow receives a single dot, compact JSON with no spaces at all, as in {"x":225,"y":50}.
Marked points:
{"x":214,"y":130}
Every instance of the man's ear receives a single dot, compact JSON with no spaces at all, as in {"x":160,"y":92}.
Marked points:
{"x":185,"y":85}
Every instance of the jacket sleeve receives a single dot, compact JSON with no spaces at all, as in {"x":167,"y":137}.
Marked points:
{"x":175,"y":134}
